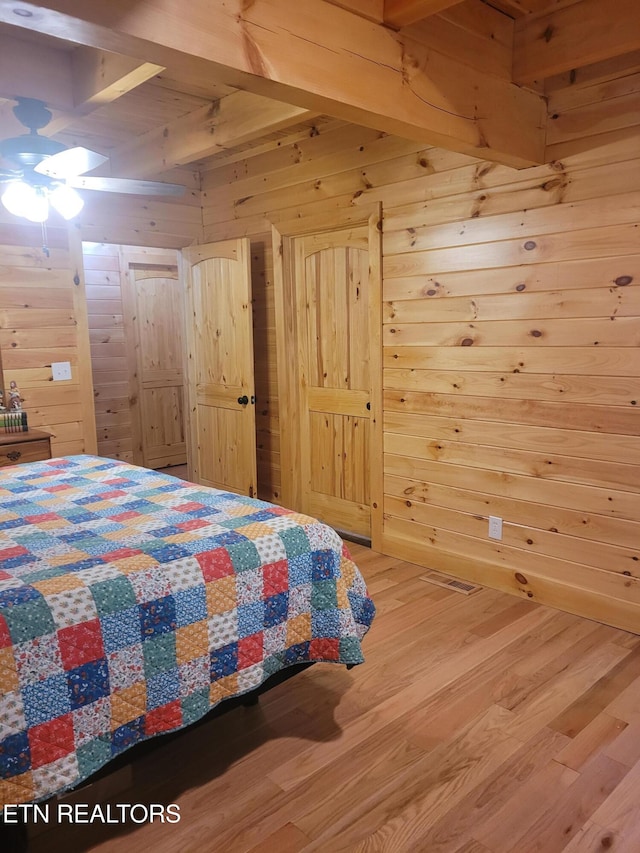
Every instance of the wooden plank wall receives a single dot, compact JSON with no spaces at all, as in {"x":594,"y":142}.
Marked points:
{"x":108,"y":350}
{"x":265,"y":372}
{"x":511,"y":337}
{"x":141,"y":221}
{"x":43,"y":320}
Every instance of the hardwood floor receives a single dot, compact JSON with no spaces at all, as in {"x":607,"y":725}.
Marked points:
{"x":175,"y":471}
{"x":478,"y":724}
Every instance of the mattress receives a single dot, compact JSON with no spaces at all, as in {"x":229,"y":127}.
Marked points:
{"x":132,"y":602}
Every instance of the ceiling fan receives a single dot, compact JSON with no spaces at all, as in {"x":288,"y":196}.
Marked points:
{"x":39,"y":171}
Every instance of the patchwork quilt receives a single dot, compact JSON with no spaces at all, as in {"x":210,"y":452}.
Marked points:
{"x":132,"y":602}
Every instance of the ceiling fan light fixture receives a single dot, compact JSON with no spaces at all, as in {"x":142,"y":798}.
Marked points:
{"x":19,"y":198}
{"x":23,"y":199}
{"x":66,"y":201}
{"x":38,"y":209}
{"x":43,"y":173}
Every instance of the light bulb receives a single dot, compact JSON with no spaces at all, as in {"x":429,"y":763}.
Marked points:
{"x":38,"y":208}
{"x":18,"y":198}
{"x":22,"y":199}
{"x":66,"y":201}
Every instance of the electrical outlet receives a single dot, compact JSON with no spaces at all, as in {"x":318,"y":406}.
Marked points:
{"x":495,"y":527}
{"x":61,"y":370}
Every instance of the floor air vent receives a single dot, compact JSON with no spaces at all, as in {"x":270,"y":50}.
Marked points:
{"x":465,"y":587}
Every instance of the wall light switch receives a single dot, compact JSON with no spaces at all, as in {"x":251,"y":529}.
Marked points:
{"x":61,"y":370}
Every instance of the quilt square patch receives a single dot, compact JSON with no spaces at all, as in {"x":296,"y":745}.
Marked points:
{"x":126,"y":666}
{"x":325,"y":648}
{"x":194,"y":675}
{"x":113,"y":595}
{"x":249,"y":586}
{"x":121,"y":629}
{"x":126,"y":735}
{"x":276,"y":578}
{"x":159,"y":654}
{"x":276,"y":609}
{"x":45,"y":699}
{"x":163,"y":719}
{"x":163,"y":688}
{"x":128,"y":704}
{"x":224,"y":661}
{"x":323,"y":595}
{"x":323,"y":566}
{"x":12,"y":711}
{"x":223,"y":629}
{"x":149,"y":584}
{"x":72,"y":607}
{"x":81,"y":643}
{"x":300,"y":570}
{"x":92,"y":721}
{"x":88,"y":682}
{"x":191,"y":605}
{"x":250,"y":618}
{"x":5,"y":633}
{"x":15,"y":755}
{"x":29,"y":619}
{"x":250,"y":650}
{"x":215,"y":564}
{"x":183,"y":574}
{"x":92,"y":755}
{"x":221,"y":595}
{"x":295,"y":541}
{"x":157,"y":617}
{"x":192,"y":641}
{"x":244,"y":556}
{"x":38,"y":656}
{"x":51,"y":741}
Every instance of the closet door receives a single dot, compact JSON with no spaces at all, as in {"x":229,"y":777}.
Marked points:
{"x":219,"y":343}
{"x":334,"y":377}
{"x":159,"y":349}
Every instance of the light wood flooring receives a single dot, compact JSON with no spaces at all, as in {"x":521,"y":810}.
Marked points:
{"x":179,"y":471}
{"x":480,"y":724}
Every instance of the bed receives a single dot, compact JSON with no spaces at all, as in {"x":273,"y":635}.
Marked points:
{"x":131,"y":603}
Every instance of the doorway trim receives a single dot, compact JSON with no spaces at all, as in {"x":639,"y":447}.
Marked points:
{"x":288,"y":355}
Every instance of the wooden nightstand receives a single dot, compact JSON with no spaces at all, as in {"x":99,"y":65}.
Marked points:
{"x":30,"y":446}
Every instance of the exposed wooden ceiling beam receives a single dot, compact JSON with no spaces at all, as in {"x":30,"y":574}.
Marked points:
{"x":317,"y":56}
{"x":402,"y":13}
{"x":513,"y":8}
{"x":8,"y":122}
{"x":100,"y":77}
{"x":233,"y":120}
{"x":581,"y":34}
{"x":35,"y":71}
{"x":71,"y":82}
{"x":371,"y":9}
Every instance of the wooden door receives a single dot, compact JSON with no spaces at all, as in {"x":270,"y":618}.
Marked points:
{"x":158,"y":331}
{"x":219,"y":336}
{"x":333,"y":312}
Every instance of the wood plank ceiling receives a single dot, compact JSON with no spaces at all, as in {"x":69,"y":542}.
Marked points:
{"x":153,"y":118}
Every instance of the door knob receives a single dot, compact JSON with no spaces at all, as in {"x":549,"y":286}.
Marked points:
{"x":243,"y":400}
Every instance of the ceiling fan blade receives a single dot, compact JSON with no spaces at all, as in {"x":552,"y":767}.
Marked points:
{"x":70,"y":163}
{"x":127,"y":185}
